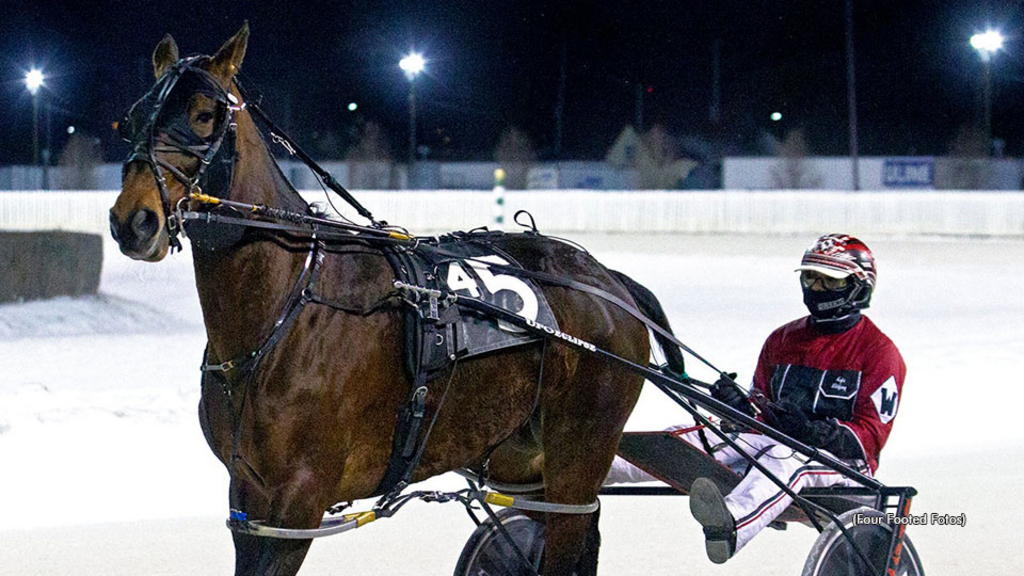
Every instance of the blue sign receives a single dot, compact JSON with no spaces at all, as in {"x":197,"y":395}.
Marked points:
{"x":908,"y":173}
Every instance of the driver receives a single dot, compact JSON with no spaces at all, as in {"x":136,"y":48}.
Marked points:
{"x":831,"y":380}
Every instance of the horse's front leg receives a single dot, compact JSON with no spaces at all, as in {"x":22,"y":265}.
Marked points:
{"x":295,"y":503}
{"x":246,"y":497}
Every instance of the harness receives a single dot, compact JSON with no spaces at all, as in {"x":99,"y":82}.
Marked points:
{"x":430,"y":314}
{"x":154,"y":125}
{"x":434,"y":333}
{"x":152,"y":128}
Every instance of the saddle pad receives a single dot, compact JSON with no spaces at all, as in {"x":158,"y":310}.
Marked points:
{"x":464,"y":270}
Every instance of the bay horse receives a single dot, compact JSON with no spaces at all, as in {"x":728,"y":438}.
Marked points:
{"x":314,"y":424}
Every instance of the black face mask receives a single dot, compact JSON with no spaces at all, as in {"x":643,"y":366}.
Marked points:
{"x":169,"y":100}
{"x":159,"y":122}
{"x":828,"y":304}
{"x":836,"y":325}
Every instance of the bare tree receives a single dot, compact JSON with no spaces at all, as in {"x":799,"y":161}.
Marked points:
{"x":371,"y":145}
{"x":969,"y":142}
{"x":327,"y":144}
{"x":794,"y":172}
{"x":657,"y":158}
{"x":515,"y":154}
{"x":78,"y":162}
{"x":967,"y":165}
{"x":370,"y":164}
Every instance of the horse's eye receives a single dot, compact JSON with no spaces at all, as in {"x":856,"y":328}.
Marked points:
{"x":205,"y":117}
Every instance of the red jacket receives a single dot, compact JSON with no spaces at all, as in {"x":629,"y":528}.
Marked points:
{"x":855,"y":377}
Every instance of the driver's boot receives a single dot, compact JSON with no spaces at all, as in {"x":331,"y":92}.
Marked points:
{"x":708,"y":507}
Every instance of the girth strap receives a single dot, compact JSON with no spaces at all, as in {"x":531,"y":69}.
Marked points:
{"x":407,"y":445}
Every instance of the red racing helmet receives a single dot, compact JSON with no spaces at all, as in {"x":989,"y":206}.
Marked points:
{"x":843,"y":256}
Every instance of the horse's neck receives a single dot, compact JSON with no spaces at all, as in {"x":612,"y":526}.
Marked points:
{"x":243,"y":290}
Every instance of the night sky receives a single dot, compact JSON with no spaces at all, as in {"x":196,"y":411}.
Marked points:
{"x":494,"y":64}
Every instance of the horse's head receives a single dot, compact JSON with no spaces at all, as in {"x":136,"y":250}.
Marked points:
{"x":182,"y":137}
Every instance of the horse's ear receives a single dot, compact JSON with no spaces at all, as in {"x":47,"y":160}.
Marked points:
{"x":165,"y":55}
{"x":228,"y":59}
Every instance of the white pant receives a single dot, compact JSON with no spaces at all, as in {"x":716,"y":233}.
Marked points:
{"x":756,"y":501}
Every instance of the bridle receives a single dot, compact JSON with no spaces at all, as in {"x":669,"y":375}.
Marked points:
{"x":151,"y":128}
{"x":151,"y":131}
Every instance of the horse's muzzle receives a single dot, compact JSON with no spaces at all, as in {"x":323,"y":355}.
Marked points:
{"x":138,"y":237}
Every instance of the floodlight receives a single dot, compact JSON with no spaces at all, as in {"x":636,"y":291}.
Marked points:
{"x":987,"y":43}
{"x":412,"y":64}
{"x":34,"y":80}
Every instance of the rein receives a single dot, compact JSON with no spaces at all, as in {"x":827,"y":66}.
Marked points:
{"x":298,"y":223}
{"x":306,"y":224}
{"x":301,"y":223}
{"x":279,"y":136}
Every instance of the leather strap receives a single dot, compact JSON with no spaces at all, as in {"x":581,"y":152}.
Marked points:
{"x":600,"y":293}
{"x":301,"y":294}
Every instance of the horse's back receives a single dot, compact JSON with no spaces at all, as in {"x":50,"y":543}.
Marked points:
{"x":579,"y":313}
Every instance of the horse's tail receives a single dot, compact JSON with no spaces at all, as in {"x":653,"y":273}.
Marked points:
{"x":649,"y":305}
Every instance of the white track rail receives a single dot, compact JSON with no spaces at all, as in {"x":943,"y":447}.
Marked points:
{"x":953,"y":213}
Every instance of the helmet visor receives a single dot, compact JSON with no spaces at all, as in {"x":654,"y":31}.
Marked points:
{"x":830,"y":269}
{"x":808,"y":278}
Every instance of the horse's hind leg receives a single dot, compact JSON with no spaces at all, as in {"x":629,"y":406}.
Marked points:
{"x":582,"y":423}
{"x":587,"y":564}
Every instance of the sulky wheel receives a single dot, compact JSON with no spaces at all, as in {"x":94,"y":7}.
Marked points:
{"x":832,"y":554}
{"x":488,"y":553}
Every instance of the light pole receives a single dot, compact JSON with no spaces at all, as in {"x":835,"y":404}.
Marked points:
{"x":851,"y":97}
{"x":987,"y":44}
{"x":412,"y":65}
{"x":34,"y":81}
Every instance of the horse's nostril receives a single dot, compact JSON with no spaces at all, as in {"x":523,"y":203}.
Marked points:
{"x":113,"y":226}
{"x":144,"y":223}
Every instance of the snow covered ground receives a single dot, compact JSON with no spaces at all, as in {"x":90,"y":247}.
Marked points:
{"x":103,"y":468}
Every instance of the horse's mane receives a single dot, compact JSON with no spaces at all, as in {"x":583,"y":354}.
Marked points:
{"x":287,"y":196}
